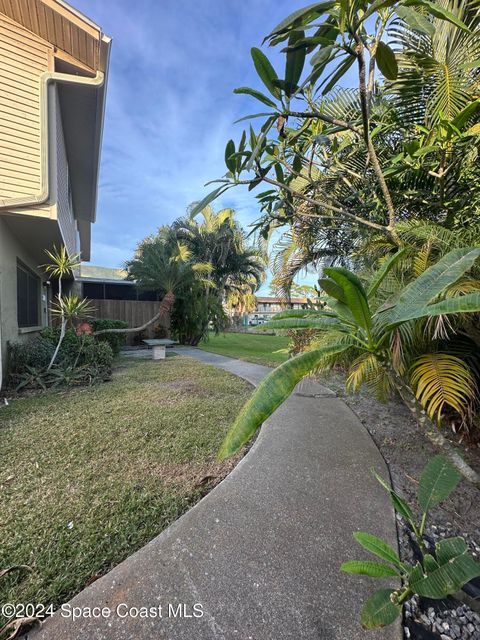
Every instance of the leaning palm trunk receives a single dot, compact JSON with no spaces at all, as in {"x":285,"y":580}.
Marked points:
{"x":431,"y":431}
{"x":164,"y":310}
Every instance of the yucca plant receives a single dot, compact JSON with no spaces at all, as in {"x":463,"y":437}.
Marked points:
{"x":350,"y":327}
{"x":61,"y":264}
{"x":440,"y":572}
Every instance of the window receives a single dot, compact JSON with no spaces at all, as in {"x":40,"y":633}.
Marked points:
{"x":28,"y":297}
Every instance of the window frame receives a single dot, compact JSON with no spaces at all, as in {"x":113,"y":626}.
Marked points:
{"x":31,"y":276}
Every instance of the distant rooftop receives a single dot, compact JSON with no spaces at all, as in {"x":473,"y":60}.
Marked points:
{"x":92,"y":273}
{"x":270,"y":300}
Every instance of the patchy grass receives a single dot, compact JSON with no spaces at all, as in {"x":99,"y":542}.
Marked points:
{"x":90,"y":475}
{"x":253,"y":347}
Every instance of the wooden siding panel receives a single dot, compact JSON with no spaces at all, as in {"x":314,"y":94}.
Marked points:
{"x":20,"y":109}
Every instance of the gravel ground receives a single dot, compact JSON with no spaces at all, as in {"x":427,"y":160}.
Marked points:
{"x":406,"y":452}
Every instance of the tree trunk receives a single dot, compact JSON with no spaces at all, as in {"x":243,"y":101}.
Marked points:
{"x":164,"y":309}
{"x":431,"y":431}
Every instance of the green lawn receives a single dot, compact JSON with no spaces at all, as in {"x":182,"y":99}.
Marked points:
{"x":254,"y":347}
{"x":88,"y":476}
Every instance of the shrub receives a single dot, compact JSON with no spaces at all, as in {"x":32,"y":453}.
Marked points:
{"x":81,"y":360}
{"x":115,"y":340}
{"x":35,"y":353}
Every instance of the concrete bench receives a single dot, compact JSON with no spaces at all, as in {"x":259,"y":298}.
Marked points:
{"x":159,"y":347}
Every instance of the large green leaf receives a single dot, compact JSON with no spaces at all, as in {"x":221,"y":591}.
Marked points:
{"x":469,"y":303}
{"x":419,"y":293}
{"x":449,"y":548}
{"x":270,"y":394}
{"x":368,"y":568}
{"x":378,"y":547}
{"x":333,"y":289}
{"x":386,"y":61}
{"x":447,"y":579}
{"x":301,"y":16}
{"x":379,"y":611}
{"x":435,"y":9}
{"x":294,"y":63}
{"x":355,"y":297}
{"x":380,"y":275}
{"x":415,"y":20}
{"x":256,"y":94}
{"x":439,"y":478}
{"x":265,"y":71}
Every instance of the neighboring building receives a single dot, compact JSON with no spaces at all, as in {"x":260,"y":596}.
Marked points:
{"x":53,"y":77}
{"x":104,"y":283}
{"x":267,"y":307}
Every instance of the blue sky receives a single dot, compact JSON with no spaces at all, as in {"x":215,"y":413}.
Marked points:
{"x":170,"y":109}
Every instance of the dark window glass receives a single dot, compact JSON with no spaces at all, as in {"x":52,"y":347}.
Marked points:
{"x":93,"y":290}
{"x":147,"y":295}
{"x":28,"y":297}
{"x":120,"y":292}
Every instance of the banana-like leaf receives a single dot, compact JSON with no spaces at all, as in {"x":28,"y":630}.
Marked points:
{"x":333,"y":289}
{"x":442,"y":380}
{"x":368,"y":568}
{"x":379,"y":611}
{"x":419,"y":293}
{"x":447,"y":579}
{"x":378,"y":547}
{"x":270,"y":394}
{"x":469,"y":303}
{"x":450,"y":548}
{"x":415,"y":20}
{"x":355,"y":297}
{"x":380,"y":275}
{"x":438,"y":480}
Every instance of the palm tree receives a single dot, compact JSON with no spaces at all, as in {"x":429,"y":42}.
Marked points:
{"x":353,"y":332}
{"x":219,"y":240}
{"x":164,"y":266}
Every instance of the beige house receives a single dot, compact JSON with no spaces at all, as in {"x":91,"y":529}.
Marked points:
{"x":53,"y":77}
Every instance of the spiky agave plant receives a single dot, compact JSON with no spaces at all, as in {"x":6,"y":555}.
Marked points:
{"x":351,"y":327}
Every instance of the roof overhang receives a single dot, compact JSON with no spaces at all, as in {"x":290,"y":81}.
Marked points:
{"x":83,"y":114}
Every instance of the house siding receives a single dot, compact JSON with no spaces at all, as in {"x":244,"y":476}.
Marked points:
{"x":24,"y":57}
{"x":66,"y":220}
{"x":12,"y":250}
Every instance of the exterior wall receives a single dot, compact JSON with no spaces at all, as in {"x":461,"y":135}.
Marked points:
{"x":12,"y":249}
{"x":23,"y":58}
{"x":66,"y":221}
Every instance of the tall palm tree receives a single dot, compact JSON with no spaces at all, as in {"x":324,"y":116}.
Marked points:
{"x":218,"y":239}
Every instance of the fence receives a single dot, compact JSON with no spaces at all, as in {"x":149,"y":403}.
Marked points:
{"x":133,"y":312}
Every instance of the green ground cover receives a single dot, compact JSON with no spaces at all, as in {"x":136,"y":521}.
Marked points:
{"x":88,"y":476}
{"x":253,"y":347}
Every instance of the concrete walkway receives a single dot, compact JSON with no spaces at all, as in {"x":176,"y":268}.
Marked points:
{"x":258,"y":558}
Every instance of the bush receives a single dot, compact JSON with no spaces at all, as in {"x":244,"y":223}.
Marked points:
{"x":35,"y":353}
{"x":115,"y":340}
{"x":80,"y":360}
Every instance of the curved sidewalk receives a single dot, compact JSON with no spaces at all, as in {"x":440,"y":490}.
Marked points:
{"x":260,"y":554}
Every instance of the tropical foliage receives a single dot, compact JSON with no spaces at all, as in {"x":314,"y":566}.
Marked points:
{"x":442,"y":569}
